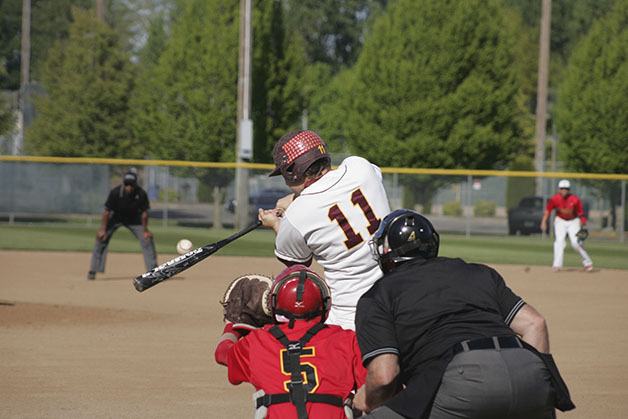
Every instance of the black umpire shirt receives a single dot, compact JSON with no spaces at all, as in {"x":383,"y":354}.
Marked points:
{"x":127,"y":208}
{"x":421,"y":310}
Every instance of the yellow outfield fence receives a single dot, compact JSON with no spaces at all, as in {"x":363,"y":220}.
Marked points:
{"x":202,"y":193}
{"x":266,"y":166}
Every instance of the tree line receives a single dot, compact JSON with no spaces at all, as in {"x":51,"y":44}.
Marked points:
{"x":415,"y":83}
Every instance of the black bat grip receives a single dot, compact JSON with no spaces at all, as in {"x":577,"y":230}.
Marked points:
{"x":142,"y":285}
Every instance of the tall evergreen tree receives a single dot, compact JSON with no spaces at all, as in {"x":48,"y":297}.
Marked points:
{"x":592,"y":109}
{"x":332,"y":30}
{"x":88,"y":79}
{"x":186,"y":108}
{"x":436,"y":86}
{"x":7,"y":119}
{"x":278,"y":61}
{"x":50,"y":21}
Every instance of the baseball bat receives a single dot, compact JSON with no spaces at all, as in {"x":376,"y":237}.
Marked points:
{"x":183,"y":262}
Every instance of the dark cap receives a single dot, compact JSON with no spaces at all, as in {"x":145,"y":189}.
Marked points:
{"x":130,"y":178}
{"x":295,"y":152}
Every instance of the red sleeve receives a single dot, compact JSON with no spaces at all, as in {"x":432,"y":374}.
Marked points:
{"x":233,"y":352}
{"x":359,"y":372}
{"x":550,"y":204}
{"x":238,"y":365}
{"x":580,"y":210}
{"x":222,"y":350}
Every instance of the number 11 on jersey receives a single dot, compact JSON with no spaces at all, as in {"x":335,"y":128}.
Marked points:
{"x":354,"y":238}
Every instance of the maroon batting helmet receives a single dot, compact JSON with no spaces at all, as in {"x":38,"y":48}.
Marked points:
{"x":295,"y":152}
{"x":299,"y":293}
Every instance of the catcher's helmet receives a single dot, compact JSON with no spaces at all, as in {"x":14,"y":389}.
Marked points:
{"x":295,"y":152}
{"x":404,"y":235}
{"x":299,"y":293}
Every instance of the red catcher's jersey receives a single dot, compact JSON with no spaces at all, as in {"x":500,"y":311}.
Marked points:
{"x":330,"y":362}
{"x":567,"y":208}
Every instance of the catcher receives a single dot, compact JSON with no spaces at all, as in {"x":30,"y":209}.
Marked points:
{"x":300,"y":367}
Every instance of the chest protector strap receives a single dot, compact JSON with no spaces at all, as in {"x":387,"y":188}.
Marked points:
{"x":297,"y":394}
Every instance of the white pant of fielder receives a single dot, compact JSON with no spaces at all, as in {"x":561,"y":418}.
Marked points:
{"x":562,"y":228}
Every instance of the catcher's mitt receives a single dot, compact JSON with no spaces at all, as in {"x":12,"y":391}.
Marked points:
{"x":582,"y":235}
{"x":245,"y":300}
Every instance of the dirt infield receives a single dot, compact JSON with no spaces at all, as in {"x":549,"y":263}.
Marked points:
{"x":72,"y":348}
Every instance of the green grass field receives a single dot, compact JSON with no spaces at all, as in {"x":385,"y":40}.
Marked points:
{"x":485,"y":249}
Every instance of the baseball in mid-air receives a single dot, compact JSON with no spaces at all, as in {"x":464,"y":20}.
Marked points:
{"x":184,"y":246}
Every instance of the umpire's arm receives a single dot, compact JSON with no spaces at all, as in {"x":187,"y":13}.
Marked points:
{"x":101,"y":234}
{"x":380,"y":351}
{"x":381,"y":382}
{"x":144,"y":219}
{"x":532,"y":327}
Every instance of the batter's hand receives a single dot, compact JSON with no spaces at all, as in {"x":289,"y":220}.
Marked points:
{"x":285,"y":202}
{"x":101,"y":234}
{"x":270,"y":218}
{"x":147,"y":234}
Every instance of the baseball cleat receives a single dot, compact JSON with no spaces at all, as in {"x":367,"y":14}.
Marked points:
{"x":555,"y":269}
{"x":91,"y":275}
{"x":588,"y":268}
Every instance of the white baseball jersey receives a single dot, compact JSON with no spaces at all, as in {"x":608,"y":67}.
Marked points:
{"x":333,"y":221}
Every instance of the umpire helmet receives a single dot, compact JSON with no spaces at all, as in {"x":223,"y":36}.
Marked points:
{"x":295,"y":152}
{"x":404,"y":235}
{"x":299,"y":293}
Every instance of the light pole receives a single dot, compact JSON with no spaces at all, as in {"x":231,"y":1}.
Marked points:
{"x":541,"y":93}
{"x":244,"y":139}
{"x":25,"y":63}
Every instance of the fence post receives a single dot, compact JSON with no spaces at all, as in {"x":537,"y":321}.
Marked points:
{"x":622,"y":215}
{"x":467,"y":228}
{"x":164,"y":214}
{"x":217,"y":208}
{"x":396,"y":193}
{"x":12,"y":195}
{"x":550,"y":220}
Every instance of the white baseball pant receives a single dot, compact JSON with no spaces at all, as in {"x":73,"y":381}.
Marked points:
{"x":342,"y":316}
{"x":563,"y":228}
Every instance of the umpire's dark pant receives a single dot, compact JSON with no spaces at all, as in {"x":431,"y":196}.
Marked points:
{"x":491,"y":384}
{"x":99,"y":255}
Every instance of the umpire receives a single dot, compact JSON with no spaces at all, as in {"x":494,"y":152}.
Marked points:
{"x":459,"y":340}
{"x":127,"y":205}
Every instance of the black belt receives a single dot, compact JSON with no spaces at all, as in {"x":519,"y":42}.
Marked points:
{"x":268,"y":399}
{"x":496,"y":342}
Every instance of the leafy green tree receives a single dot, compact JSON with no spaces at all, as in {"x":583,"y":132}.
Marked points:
{"x":7,"y":118}
{"x":157,"y":38}
{"x":88,"y":79}
{"x":332,"y":30}
{"x":592,"y":104}
{"x":50,"y":21}
{"x":571,"y":20}
{"x":277,"y":64}
{"x":186,"y":107}
{"x":10,"y":24}
{"x":436,"y":86}
{"x":593,"y":98}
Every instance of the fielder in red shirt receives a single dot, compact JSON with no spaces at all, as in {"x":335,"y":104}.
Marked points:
{"x":569,"y":220}
{"x":301,"y":367}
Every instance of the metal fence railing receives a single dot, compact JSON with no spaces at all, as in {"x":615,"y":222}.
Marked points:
{"x":202,"y":194}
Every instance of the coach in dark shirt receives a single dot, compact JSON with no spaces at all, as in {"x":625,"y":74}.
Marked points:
{"x":453,"y":334}
{"x":127,"y":205}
